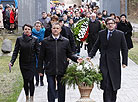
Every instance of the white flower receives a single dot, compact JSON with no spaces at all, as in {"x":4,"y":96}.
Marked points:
{"x":79,"y":67}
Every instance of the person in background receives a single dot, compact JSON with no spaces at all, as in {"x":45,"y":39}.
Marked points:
{"x":12,"y":16}
{"x":126,"y":27}
{"x":38,"y":32}
{"x":117,"y":20}
{"x":59,"y":48}
{"x":94,"y":28}
{"x":1,"y":16}
{"x":6,"y":16}
{"x":110,"y":42}
{"x":75,"y":19}
{"x":112,"y":15}
{"x":44,"y":20}
{"x":71,"y":23}
{"x":28,"y":48}
{"x":105,"y":14}
{"x":69,"y":35}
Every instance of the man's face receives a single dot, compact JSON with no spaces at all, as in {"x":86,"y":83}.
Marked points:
{"x":111,"y":25}
{"x":56,"y":29}
{"x":93,"y":17}
{"x":44,"y":15}
{"x":65,"y":17}
{"x":53,"y":21}
{"x":77,"y":14}
{"x":100,"y":16}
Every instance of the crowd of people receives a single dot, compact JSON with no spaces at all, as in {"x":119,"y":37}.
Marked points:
{"x":47,"y":47}
{"x":8,"y":17}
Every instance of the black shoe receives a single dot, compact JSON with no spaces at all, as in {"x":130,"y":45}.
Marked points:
{"x":41,"y":83}
{"x":37,"y":83}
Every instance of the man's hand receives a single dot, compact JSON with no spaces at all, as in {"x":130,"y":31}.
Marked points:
{"x":124,"y":66}
{"x":40,"y":74}
{"x":10,"y":64}
{"x":88,"y":59}
{"x":79,"y":60}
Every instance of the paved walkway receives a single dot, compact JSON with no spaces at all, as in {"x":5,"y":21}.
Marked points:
{"x":127,"y":93}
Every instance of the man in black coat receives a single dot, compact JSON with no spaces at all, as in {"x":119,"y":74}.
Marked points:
{"x":111,"y":42}
{"x":54,"y":51}
{"x":94,"y":28}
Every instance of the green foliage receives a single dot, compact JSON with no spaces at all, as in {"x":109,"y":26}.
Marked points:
{"x":82,"y":74}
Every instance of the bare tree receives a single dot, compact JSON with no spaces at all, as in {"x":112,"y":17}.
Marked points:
{"x":122,"y":6}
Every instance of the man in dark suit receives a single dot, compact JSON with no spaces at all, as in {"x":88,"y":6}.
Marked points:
{"x":54,"y":51}
{"x":111,"y":42}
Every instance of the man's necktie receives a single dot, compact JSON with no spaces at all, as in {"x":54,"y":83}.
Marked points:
{"x":109,"y":35}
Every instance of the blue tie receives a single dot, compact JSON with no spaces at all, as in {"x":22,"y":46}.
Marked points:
{"x":55,"y":38}
{"x":109,"y":35}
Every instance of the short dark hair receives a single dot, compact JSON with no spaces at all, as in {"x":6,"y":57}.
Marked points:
{"x":123,"y":15}
{"x":28,"y":25}
{"x":57,"y":23}
{"x":108,"y":19}
{"x":55,"y":17}
{"x":112,"y":14}
{"x":43,"y":12}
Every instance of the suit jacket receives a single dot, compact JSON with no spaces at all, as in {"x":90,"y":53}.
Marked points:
{"x":110,"y":56}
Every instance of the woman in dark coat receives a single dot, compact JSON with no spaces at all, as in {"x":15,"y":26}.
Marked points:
{"x":126,"y":27}
{"x":28,"y":47}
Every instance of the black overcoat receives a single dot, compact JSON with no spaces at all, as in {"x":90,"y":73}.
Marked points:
{"x":28,"y":49}
{"x":110,"y":56}
{"x":126,"y":27}
{"x":94,"y":28}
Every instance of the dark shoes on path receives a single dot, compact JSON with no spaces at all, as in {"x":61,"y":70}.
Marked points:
{"x":41,"y":83}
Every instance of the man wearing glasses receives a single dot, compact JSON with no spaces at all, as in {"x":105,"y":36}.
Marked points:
{"x":110,"y":42}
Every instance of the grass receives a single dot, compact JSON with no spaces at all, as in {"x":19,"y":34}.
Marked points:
{"x":11,"y":83}
{"x":133,"y":53}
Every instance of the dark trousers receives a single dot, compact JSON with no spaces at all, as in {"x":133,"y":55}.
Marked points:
{"x":37,"y":76}
{"x":29,"y":87}
{"x":52,"y":92}
{"x":79,"y":46}
{"x":109,"y":94}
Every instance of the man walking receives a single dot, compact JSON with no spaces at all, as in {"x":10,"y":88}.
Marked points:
{"x":111,"y":42}
{"x":54,"y":51}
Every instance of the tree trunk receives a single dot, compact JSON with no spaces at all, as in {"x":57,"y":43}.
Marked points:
{"x":128,"y":8}
{"x":122,"y":6}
